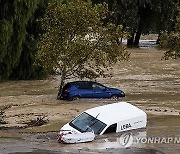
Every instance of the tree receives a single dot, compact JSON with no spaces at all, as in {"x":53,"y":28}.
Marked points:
{"x":25,"y":69}
{"x":126,"y":13}
{"x":142,"y":16}
{"x":77,"y":43}
{"x":19,"y":36}
{"x":172,"y":40}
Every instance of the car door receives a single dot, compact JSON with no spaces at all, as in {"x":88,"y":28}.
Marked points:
{"x":100,"y":91}
{"x":85,"y":90}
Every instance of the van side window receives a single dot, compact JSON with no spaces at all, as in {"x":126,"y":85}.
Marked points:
{"x":111,"y":129}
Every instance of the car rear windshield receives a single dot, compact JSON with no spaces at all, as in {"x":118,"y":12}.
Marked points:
{"x":68,"y":85}
{"x":85,"y":122}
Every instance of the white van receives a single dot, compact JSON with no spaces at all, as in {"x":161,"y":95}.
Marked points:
{"x":116,"y":117}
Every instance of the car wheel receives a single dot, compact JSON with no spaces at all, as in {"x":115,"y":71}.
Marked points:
{"x":75,"y":98}
{"x":114,"y":97}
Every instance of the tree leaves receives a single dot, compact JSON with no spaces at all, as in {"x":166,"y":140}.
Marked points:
{"x":77,"y":43}
{"x":15,"y":17}
{"x":172,"y":40}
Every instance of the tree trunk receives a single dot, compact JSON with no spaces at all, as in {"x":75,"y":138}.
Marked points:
{"x":137,"y":38}
{"x":63,"y":78}
{"x":130,"y":41}
{"x":158,"y":39}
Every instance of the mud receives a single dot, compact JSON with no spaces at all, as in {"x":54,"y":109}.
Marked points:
{"x":149,"y":83}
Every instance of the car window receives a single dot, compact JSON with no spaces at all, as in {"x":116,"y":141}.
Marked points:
{"x":111,"y":129}
{"x":83,"y":85}
{"x":96,"y":86}
{"x":84,"y":122}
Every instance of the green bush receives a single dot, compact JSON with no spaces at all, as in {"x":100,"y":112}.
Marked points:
{"x":171,"y":40}
{"x":172,"y":43}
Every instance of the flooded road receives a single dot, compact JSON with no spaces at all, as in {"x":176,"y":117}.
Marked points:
{"x":150,"y":83}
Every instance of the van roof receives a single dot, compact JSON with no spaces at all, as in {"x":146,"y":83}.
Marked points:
{"x":116,"y":112}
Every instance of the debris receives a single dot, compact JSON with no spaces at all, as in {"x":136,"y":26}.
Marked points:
{"x":39,"y":121}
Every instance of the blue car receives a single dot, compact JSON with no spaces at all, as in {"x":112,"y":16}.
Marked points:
{"x":89,"y":89}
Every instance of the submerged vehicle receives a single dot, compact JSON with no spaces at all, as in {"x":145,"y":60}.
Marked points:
{"x":75,"y":137}
{"x":116,"y":117}
{"x":89,"y":89}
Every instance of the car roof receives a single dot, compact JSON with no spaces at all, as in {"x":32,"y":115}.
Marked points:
{"x":116,"y":112}
{"x":74,"y":82}
{"x":81,"y":83}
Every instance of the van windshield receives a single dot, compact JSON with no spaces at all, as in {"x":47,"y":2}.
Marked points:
{"x":85,"y":122}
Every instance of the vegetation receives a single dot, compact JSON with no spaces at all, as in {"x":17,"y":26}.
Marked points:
{"x":102,"y":29}
{"x":172,"y":40}
{"x":1,"y":116}
{"x":19,"y":35}
{"x":2,"y":113}
{"x":39,"y":121}
{"x":77,"y":43}
{"x":142,"y":17}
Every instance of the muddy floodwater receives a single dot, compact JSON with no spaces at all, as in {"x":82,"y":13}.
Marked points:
{"x":150,"y":83}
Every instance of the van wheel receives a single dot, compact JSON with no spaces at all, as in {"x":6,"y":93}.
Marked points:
{"x":75,"y":98}
{"x":114,"y":97}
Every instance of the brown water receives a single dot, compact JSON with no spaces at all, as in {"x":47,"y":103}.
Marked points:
{"x":149,"y":83}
